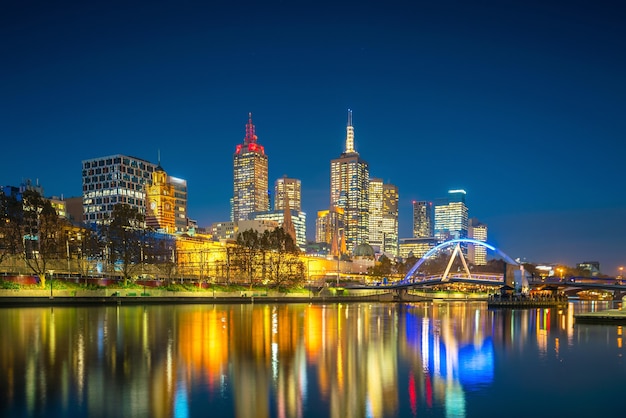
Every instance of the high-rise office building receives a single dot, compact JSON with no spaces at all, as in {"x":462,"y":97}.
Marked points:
{"x":114,"y":179}
{"x":383,"y":216}
{"x":181,"y":217}
{"x":423,"y":219}
{"x":349,"y":190}
{"x":451,"y":216}
{"x":250,"y":183}
{"x":329,"y":227}
{"x":287,"y":194}
{"x":477,"y":254}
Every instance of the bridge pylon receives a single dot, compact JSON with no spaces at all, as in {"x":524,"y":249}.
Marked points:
{"x":455,"y":252}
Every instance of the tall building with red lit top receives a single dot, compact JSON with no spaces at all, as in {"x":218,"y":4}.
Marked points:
{"x":250,"y":184}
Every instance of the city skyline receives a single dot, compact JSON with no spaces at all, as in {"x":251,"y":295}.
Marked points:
{"x":520,"y":105}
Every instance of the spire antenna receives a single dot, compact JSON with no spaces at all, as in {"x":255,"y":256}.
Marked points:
{"x":350,"y":134}
{"x":250,"y":134}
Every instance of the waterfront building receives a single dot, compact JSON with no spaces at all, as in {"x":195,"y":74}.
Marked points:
{"x":477,"y":254}
{"x":591,"y":267}
{"x":59,"y":206}
{"x":383,"y":216}
{"x":250,"y":181}
{"x":329,"y":228}
{"x":416,"y":247}
{"x":161,"y":203}
{"x":423,"y":219}
{"x":349,"y":190}
{"x":283,"y":218}
{"x":451,"y":216}
{"x":222,"y":231}
{"x":181,"y":220}
{"x":114,"y":179}
{"x":74,"y":207}
{"x":259,"y":225}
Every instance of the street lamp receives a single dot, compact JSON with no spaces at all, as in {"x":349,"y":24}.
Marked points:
{"x":621,"y":271}
{"x":51,"y":273}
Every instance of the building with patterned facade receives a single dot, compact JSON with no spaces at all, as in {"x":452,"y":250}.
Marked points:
{"x":114,"y":179}
{"x":383,"y":216}
{"x":451,"y":216}
{"x":349,"y":190}
{"x":250,"y":176}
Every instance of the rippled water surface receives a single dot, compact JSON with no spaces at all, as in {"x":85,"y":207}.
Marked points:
{"x":439,"y":359}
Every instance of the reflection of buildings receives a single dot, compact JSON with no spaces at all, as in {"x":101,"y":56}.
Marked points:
{"x":454,"y":358}
{"x":267,"y":360}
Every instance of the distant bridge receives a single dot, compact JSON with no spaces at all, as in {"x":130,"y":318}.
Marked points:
{"x":515,"y":277}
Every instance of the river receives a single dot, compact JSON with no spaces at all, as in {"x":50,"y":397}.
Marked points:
{"x":427,"y":359}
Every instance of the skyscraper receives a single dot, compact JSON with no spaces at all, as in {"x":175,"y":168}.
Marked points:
{"x":329,"y":228}
{"x":287,"y":190}
{"x":477,"y":254}
{"x":349,"y":190}
{"x":451,"y":216}
{"x":250,"y":184}
{"x":383,"y":216}
{"x":114,"y":179}
{"x":423,"y":222}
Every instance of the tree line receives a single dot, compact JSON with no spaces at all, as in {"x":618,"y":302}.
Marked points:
{"x":34,"y":235}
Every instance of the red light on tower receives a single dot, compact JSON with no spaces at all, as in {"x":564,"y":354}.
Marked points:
{"x":250,"y":134}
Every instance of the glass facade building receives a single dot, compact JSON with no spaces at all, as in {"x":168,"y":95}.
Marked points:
{"x":451,"y":216}
{"x":349,"y":190}
{"x":383,"y":216}
{"x":250,"y":182}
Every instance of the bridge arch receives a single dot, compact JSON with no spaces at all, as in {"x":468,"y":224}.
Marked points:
{"x":453,"y":242}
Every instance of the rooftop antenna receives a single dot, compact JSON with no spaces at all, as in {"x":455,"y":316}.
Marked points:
{"x":349,"y":134}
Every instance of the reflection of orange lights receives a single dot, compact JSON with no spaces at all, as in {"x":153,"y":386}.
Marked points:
{"x":313,"y":326}
{"x":203,"y":343}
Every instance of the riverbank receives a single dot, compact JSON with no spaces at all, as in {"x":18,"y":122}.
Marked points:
{"x":12,"y":298}
{"x":609,"y":316}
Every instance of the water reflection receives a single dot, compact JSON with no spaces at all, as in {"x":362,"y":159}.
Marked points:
{"x":293,"y":360}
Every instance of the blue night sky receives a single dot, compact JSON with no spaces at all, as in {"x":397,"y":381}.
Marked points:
{"x":520,"y":103}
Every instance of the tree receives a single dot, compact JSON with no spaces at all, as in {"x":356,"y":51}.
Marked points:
{"x":11,"y":239}
{"x":124,"y":240}
{"x":247,"y":252}
{"x":160,"y":251}
{"x":285,"y":267}
{"x":42,"y":232}
{"x":86,"y":247}
{"x":382,"y":268}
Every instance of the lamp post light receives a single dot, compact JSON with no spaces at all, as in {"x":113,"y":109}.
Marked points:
{"x":51,"y":273}
{"x":621,"y":272}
